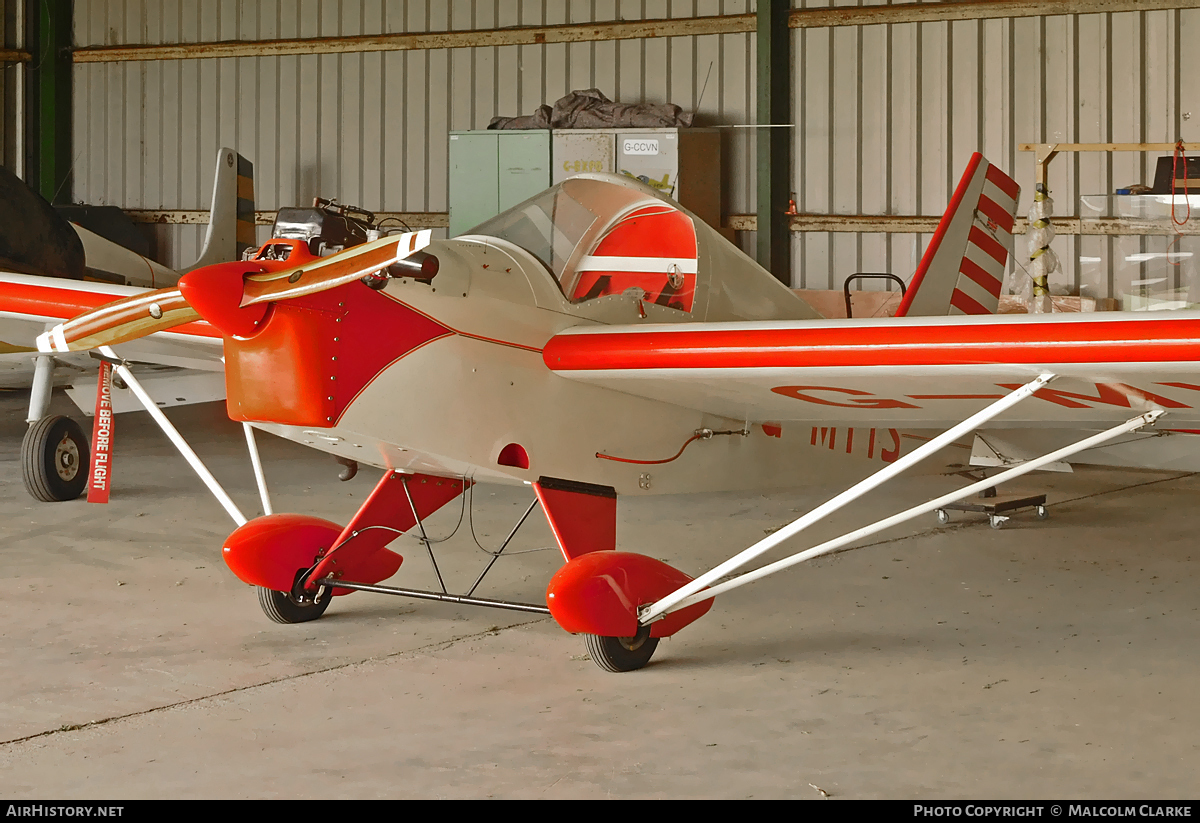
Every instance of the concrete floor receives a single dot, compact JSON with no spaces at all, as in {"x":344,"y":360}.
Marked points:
{"x":1047,"y":659}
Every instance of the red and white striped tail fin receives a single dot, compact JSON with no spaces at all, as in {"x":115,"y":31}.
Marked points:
{"x":963,"y":269}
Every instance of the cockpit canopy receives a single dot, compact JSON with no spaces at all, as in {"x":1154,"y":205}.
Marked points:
{"x":598,"y":239}
{"x":600,"y":235}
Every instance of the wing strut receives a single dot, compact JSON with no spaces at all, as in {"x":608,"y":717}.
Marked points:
{"x":849,"y":495}
{"x":1132,"y":424}
{"x":256,"y":461}
{"x":171,"y":432}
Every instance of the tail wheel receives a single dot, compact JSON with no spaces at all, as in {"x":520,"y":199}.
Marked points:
{"x":54,"y":459}
{"x":622,"y":654}
{"x":293,"y":607}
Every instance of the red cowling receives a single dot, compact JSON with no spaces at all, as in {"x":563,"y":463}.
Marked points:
{"x":268,"y":551}
{"x":216,"y":292}
{"x":600,"y":592}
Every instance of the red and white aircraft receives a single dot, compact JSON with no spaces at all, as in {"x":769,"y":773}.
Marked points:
{"x":599,"y":341}
{"x":54,"y":452}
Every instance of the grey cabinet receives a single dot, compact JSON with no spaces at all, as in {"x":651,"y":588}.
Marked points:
{"x":491,"y":171}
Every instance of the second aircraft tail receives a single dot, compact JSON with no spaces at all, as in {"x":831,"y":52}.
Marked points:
{"x":962,"y":270}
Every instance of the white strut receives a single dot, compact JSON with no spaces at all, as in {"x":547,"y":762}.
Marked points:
{"x":256,"y":461}
{"x":837,"y":543}
{"x":39,"y":396}
{"x":849,"y":495}
{"x":174,"y":435}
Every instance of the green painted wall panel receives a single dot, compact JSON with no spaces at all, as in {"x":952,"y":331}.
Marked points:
{"x":474,"y":185}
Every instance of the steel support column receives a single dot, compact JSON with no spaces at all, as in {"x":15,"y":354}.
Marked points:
{"x":48,"y":113}
{"x":774,"y":168}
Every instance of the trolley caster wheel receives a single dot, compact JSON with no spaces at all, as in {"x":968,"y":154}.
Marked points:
{"x":996,"y":521}
{"x":54,"y":459}
{"x":943,"y":516}
{"x":621,"y":654}
{"x":287,"y":607}
{"x":1042,"y":513}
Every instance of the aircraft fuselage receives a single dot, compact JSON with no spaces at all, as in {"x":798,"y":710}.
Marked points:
{"x":449,"y":378}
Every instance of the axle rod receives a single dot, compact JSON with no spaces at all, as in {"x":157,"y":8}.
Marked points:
{"x":445,"y":598}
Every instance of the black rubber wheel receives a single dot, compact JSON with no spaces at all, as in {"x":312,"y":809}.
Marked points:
{"x":621,"y":654}
{"x":285,"y":607}
{"x":54,"y":459}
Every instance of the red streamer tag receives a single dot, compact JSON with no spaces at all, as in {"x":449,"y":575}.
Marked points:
{"x":100,"y":475}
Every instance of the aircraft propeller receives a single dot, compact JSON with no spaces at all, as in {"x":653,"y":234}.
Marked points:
{"x":234,"y":297}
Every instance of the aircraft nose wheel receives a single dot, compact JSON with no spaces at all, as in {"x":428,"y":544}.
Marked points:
{"x":621,"y":654}
{"x":54,"y":459}
{"x":296,"y":606}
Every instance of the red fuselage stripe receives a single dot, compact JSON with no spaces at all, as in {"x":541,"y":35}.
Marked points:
{"x":1145,"y":341}
{"x":461,"y":333}
{"x":520,"y":346}
{"x":49,"y":301}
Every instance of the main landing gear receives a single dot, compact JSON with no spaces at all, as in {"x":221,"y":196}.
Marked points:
{"x":300,"y":562}
{"x":621,"y":654}
{"x":296,"y":606}
{"x":54,"y":459}
{"x":54,"y":452}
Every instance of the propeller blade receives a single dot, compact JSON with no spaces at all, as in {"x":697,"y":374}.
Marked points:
{"x":327,"y":273}
{"x":119,"y":321}
{"x":223,"y":291}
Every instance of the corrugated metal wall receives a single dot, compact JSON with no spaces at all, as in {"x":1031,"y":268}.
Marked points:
{"x":369,"y":129}
{"x":887,"y":115}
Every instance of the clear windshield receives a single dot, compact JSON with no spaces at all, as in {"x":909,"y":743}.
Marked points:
{"x":549,"y":226}
{"x":562,"y":223}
